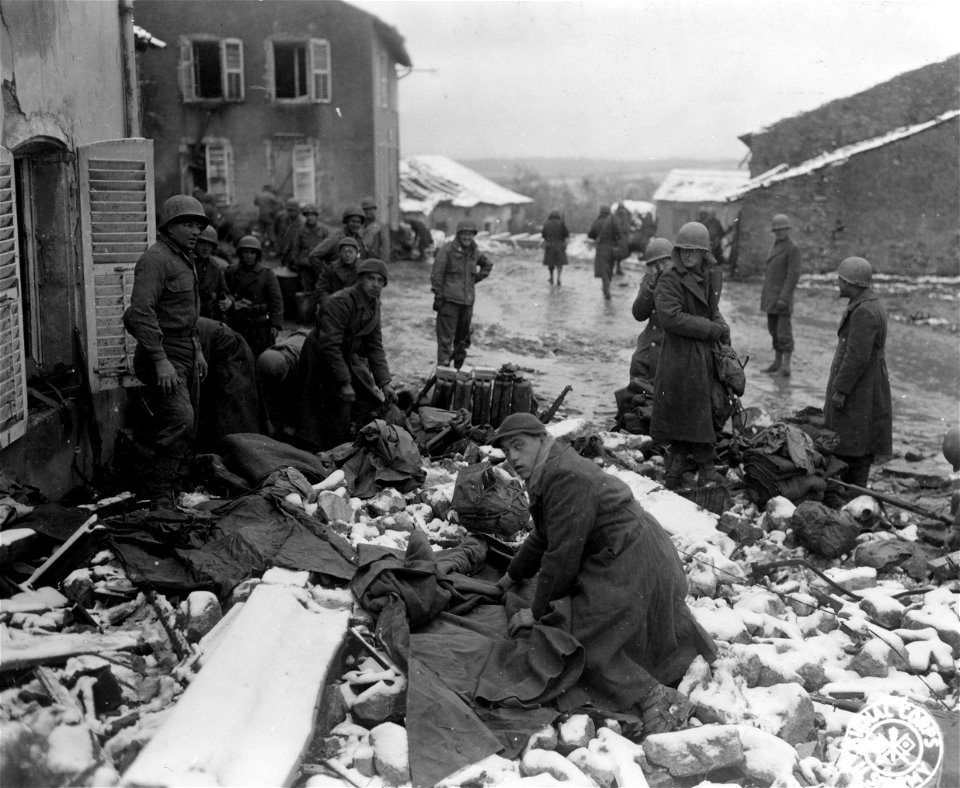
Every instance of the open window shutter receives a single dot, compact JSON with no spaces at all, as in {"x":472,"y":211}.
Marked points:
{"x":231,"y":53}
{"x":118,"y":223}
{"x":304,"y":174}
{"x":319,"y":69}
{"x":219,"y":161}
{"x":188,"y":85}
{"x":13,"y":378}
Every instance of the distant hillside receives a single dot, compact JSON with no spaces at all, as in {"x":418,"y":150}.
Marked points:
{"x":552,"y":168}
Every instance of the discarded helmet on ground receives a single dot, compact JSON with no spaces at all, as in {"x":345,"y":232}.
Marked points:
{"x":467,"y":226}
{"x":951,"y":447}
{"x":209,"y":235}
{"x":780,"y":222}
{"x":349,"y":242}
{"x":250,"y":242}
{"x":693,"y":235}
{"x":373,"y":266}
{"x":368,"y":202}
{"x":350,"y":212}
{"x":310,"y":208}
{"x":182,"y":207}
{"x":855,"y":271}
{"x":657,"y":249}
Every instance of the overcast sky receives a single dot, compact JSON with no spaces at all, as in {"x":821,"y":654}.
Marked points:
{"x":615,"y":79}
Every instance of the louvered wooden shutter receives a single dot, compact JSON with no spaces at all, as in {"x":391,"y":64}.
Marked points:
{"x":13,"y":378}
{"x":218,"y":158}
{"x":118,"y":223}
{"x":231,"y":52}
{"x":188,"y":82}
{"x":304,"y":174}
{"x":320,"y":69}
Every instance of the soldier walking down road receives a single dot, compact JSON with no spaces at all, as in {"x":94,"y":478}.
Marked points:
{"x":555,"y":234}
{"x":376,"y":235}
{"x":458,"y":266}
{"x":162,"y":317}
{"x":780,"y":280}
{"x":343,"y":375}
{"x":858,"y":405}
{"x":605,"y":234}
{"x":257,"y":314}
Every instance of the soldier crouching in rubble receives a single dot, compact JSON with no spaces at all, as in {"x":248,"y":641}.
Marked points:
{"x":608,"y":574}
{"x":162,"y":317}
{"x":858,"y":406}
{"x":343,"y":375}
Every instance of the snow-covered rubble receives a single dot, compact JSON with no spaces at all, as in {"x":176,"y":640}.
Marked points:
{"x":771,"y":710}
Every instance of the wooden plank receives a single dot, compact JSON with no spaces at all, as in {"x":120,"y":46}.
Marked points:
{"x":19,"y":649}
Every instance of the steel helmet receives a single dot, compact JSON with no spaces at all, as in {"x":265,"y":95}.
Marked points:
{"x":467,"y":226}
{"x":693,"y":235}
{"x":657,"y":249}
{"x":310,"y":208}
{"x":951,"y":447}
{"x":604,"y":209}
{"x":780,"y":222}
{"x":373,"y":266}
{"x":183,"y":207}
{"x":368,"y":202}
{"x":292,"y":205}
{"x":250,"y":242}
{"x":855,"y":271}
{"x":352,"y":211}
{"x":349,"y":242}
{"x":209,"y":235}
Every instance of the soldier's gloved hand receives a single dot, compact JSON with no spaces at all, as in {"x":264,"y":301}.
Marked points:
{"x":522,"y":619}
{"x":781,"y":306}
{"x":664,"y":710}
{"x":347,"y":394}
{"x":389,"y":395}
{"x":838,"y":400}
{"x":167,"y":378}
{"x":717,"y":331}
{"x":437,"y":303}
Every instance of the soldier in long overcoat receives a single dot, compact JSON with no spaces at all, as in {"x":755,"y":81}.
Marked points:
{"x":686,"y":299}
{"x":858,"y":404}
{"x":646,"y":358}
{"x":606,"y":571}
{"x":257,"y":312}
{"x":605,"y":234}
{"x":779,"y":281}
{"x":555,"y":234}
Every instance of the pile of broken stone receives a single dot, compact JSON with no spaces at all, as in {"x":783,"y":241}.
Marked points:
{"x":108,"y":684}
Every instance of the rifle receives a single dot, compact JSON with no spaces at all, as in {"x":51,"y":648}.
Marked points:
{"x":423,"y":392}
{"x":898,"y":502}
{"x":550,"y":412}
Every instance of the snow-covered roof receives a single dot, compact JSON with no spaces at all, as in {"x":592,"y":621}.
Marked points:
{"x":700,"y":185}
{"x":639,"y":207}
{"x":145,"y":39}
{"x":428,"y":180}
{"x":832,"y":158}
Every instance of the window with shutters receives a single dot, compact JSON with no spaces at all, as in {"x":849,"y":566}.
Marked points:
{"x":301,"y":70}
{"x":218,"y":156}
{"x":304,"y":174}
{"x":13,"y":379}
{"x":211,"y":69}
{"x":117,"y":225}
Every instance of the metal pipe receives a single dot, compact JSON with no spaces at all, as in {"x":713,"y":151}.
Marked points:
{"x":128,"y":56}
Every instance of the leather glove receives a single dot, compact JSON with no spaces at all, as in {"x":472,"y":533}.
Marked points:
{"x":522,"y":619}
{"x":664,"y":710}
{"x":437,"y":303}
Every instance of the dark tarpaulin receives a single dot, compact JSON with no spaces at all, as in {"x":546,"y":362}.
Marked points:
{"x":181,"y":552}
{"x":255,"y":457}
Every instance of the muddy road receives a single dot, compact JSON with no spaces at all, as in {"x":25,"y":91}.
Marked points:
{"x":568,"y":334}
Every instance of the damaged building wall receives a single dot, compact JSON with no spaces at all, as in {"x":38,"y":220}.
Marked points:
{"x":905,"y":100}
{"x":333,"y":143}
{"x":897,"y":205}
{"x":52,"y":109}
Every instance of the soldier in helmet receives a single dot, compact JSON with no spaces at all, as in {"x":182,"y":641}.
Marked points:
{"x":686,"y":299}
{"x":162,"y":317}
{"x":780,"y":280}
{"x":646,"y":357}
{"x":328,"y":250}
{"x":555,"y":235}
{"x":340,"y":274}
{"x":289,"y":223}
{"x":309,"y":235}
{"x":457,"y":268}
{"x":257,"y":313}
{"x":376,"y":235}
{"x":606,"y":235}
{"x":215,"y":299}
{"x":858,"y":405}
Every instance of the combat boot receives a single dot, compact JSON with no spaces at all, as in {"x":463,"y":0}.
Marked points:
{"x":785,"y":366}
{"x":776,"y":363}
{"x":708,"y":474}
{"x":674,"y":464}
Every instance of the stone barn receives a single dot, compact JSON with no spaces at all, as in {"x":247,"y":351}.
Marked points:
{"x":684,"y":193}
{"x":876,"y":174}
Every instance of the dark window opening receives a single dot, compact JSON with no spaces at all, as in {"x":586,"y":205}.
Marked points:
{"x":206,"y":59}
{"x":290,"y":70}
